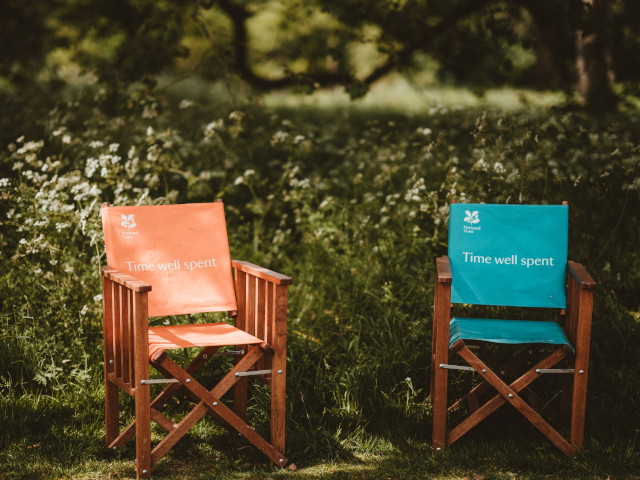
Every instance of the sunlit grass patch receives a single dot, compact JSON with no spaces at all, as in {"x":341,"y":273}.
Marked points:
{"x":396,"y":94}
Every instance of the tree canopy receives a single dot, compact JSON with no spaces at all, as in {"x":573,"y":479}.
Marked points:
{"x":576,"y":45}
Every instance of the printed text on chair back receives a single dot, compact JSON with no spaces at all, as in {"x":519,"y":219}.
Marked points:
{"x":182,"y":251}
{"x":512,"y":255}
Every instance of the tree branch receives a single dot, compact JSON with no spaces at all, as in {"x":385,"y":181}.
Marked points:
{"x":238,"y":16}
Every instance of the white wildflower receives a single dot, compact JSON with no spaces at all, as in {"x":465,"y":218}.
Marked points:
{"x":30,"y":147}
{"x":113,"y":148}
{"x":96,"y":144}
{"x":184,"y":104}
{"x":92,"y":166}
{"x":149,"y":111}
{"x":481,"y":165}
{"x":213,"y":126}
{"x":499,"y":168}
{"x":279,"y":137}
{"x":66,"y":139}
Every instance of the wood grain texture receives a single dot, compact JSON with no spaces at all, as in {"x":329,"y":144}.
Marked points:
{"x":440,"y":352}
{"x":261,"y":272}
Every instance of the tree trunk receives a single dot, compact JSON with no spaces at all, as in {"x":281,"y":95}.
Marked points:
{"x":594,"y":76}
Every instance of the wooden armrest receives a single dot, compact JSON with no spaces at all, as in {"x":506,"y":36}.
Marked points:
{"x":443,"y":269}
{"x":261,"y":272}
{"x":125,"y":280}
{"x":581,"y":275}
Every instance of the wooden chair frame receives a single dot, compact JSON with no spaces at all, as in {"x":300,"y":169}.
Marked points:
{"x":262,"y":312}
{"x":580,"y":289}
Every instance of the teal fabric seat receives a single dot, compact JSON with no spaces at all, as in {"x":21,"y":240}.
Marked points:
{"x":506,"y":331}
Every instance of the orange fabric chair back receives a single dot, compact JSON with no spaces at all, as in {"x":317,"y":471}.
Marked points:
{"x":182,"y":251}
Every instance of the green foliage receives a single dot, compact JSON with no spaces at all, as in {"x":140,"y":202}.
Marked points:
{"x":276,"y":44}
{"x":352,"y":205}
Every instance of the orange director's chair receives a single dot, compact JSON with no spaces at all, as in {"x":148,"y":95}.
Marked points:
{"x":514,"y":256}
{"x":170,"y":260}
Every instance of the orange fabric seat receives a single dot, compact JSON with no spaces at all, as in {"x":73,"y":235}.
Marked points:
{"x":197,"y":335}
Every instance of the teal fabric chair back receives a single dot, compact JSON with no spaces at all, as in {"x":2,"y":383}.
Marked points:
{"x":511,"y":255}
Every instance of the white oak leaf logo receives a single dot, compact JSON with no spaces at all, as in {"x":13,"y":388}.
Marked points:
{"x":472,"y":217}
{"x":127,"y":221}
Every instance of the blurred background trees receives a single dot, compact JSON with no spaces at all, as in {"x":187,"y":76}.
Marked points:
{"x":579,"y":46}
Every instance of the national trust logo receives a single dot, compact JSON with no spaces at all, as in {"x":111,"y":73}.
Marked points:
{"x":471,"y":219}
{"x":129,"y":222}
{"x":128,"y":225}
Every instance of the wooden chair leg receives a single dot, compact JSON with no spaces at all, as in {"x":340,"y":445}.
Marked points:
{"x":439,"y":402}
{"x":279,"y":371}
{"x":240,"y":398}
{"x":141,"y":390}
{"x":278,"y":409}
{"x":112,"y":411}
{"x":578,"y":407}
{"x":143,"y":431}
{"x":440,"y":346}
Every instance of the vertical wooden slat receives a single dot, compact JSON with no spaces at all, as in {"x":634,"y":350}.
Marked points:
{"x":125,"y":323}
{"x":573,"y":290}
{"x":260,"y":317}
{"x":261,"y":309}
{"x":270,"y":312}
{"x":142,"y":399}
{"x":130,"y":339}
{"x":566,"y":397}
{"x":111,"y":405}
{"x":279,"y":374}
{"x":240,"y":388}
{"x":117,"y":332}
{"x":250,"y":325}
{"x":270,"y":299}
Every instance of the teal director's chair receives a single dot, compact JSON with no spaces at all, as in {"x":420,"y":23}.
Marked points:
{"x":511,"y":256}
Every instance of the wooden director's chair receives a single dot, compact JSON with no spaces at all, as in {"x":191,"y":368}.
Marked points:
{"x":515,"y":256}
{"x":174,"y":259}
